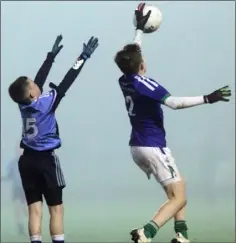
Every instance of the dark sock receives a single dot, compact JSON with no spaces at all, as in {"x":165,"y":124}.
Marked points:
{"x":181,"y":227}
{"x":58,"y":241}
{"x":36,"y":241}
{"x":150,"y":229}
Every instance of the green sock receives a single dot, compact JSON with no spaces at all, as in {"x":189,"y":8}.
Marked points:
{"x":181,"y":227}
{"x":150,"y":229}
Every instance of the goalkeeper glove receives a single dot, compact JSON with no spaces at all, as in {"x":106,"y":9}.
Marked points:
{"x":89,"y":48}
{"x":140,"y":18}
{"x":218,"y":95}
{"x":56,"y":48}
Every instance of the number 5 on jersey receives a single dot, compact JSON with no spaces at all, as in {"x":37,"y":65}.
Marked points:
{"x":130,"y":105}
{"x":30,"y":129}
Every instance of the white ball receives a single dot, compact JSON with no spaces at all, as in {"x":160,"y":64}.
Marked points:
{"x":154,"y":20}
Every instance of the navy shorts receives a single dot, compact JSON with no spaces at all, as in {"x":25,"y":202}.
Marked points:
{"x":41,"y":174}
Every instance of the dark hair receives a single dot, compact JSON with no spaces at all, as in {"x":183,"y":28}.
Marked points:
{"x":18,"y":90}
{"x":129,"y":59}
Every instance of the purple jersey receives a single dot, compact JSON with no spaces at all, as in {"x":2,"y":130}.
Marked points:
{"x":40,"y":130}
{"x":143,"y":98}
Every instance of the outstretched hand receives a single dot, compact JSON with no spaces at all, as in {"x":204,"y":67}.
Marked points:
{"x":218,"y":95}
{"x":140,"y":18}
{"x":90,"y":47}
{"x":56,"y":47}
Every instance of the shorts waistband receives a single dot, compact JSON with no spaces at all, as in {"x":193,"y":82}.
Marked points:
{"x":28,"y":151}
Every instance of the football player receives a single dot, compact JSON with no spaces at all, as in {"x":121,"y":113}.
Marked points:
{"x":144,"y":97}
{"x":39,"y":166}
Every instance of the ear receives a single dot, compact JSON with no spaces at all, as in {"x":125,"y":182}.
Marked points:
{"x":142,"y":67}
{"x":31,"y":95}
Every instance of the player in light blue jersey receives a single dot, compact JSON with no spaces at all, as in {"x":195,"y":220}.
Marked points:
{"x":144,"y":97}
{"x":39,"y":166}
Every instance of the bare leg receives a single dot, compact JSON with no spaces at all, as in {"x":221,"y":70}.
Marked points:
{"x":56,"y":210}
{"x":180,"y":226}
{"x":180,"y":216}
{"x":177,"y":200}
{"x":56,"y":220}
{"x":35,"y":219}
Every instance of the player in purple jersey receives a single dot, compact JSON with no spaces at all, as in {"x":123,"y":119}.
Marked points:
{"x":143,"y":98}
{"x":39,"y":166}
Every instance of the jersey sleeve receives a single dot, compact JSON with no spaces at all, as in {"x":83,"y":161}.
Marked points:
{"x":44,"y":70}
{"x":67,"y":81}
{"x":152,"y":89}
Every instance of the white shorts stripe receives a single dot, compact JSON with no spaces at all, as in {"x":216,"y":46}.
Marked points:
{"x":59,"y":173}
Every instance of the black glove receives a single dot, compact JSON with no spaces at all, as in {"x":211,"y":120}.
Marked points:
{"x":140,"y":18}
{"x":89,"y":48}
{"x":56,"y":48}
{"x":218,"y":95}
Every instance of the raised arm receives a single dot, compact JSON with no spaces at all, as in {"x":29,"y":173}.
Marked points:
{"x":44,"y":70}
{"x":141,"y":20}
{"x":74,"y":71}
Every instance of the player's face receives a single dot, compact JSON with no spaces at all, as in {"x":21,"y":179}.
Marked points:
{"x":34,"y":89}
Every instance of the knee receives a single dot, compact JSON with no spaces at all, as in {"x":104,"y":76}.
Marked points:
{"x":178,"y":194}
{"x":181,"y":200}
{"x":35,"y":218}
{"x":35,"y":210}
{"x":56,"y":210}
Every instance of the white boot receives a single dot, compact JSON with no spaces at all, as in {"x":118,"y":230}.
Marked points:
{"x":138,"y":236}
{"x":179,"y":238}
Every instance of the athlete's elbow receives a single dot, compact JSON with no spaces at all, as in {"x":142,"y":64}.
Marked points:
{"x":174,"y":103}
{"x":174,"y":107}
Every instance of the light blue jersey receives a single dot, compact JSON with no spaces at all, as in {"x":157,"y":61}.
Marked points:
{"x":40,"y":129}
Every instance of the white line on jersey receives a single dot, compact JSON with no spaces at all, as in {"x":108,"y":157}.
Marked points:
{"x":154,"y":83}
{"x":147,"y":82}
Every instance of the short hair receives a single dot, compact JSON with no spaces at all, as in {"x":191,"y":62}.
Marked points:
{"x":18,"y":90}
{"x":129,"y":59}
